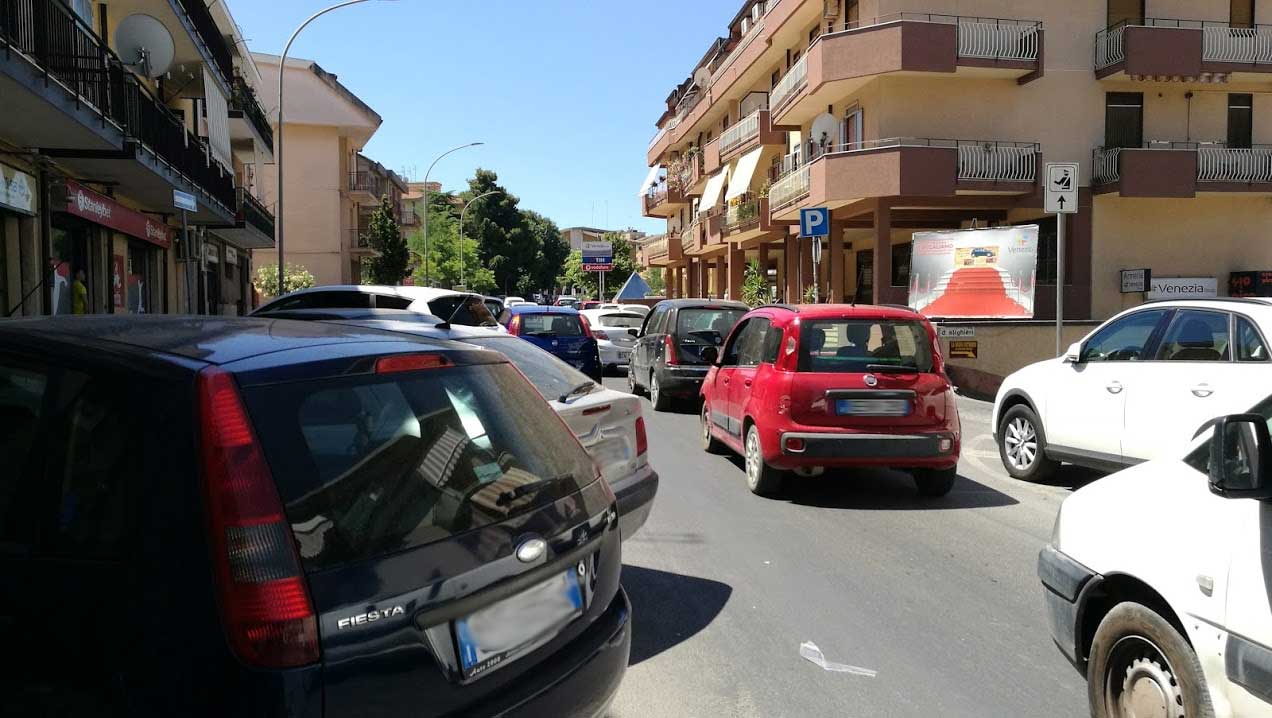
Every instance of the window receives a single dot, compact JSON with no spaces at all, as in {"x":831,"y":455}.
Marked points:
{"x":865,"y":274}
{"x":708,"y":323}
{"x":555,"y":325}
{"x":22,"y":402}
{"x":1196,"y":336}
{"x":551,"y":376}
{"x":901,"y":265}
{"x":392,"y":301}
{"x":322,"y":300}
{"x":772,"y":344}
{"x":656,"y":320}
{"x":1124,"y":339}
{"x":777,"y":75}
{"x":1128,"y":11}
{"x":748,"y":343}
{"x":852,"y":14}
{"x":1123,"y":119}
{"x":852,"y":129}
{"x":372,"y":464}
{"x":1250,"y":345}
{"x":853,"y":345}
{"x":1240,"y":120}
{"x":1241,"y":13}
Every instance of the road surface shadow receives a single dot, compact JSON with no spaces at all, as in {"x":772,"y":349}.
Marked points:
{"x":1073,"y":477}
{"x":877,"y":489}
{"x":669,"y":608}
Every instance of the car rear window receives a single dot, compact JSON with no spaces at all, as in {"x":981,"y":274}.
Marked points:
{"x":557,"y":325}
{"x":331,"y":299}
{"x":467,"y":311}
{"x":850,"y":345}
{"x":374,"y":464}
{"x":625,"y":321}
{"x":711,"y":324}
{"x":551,"y":376}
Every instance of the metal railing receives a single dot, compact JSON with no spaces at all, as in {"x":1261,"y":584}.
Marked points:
{"x":1110,"y":46}
{"x":995,"y":39}
{"x":689,"y":237}
{"x":793,"y":81}
{"x":244,"y":100}
{"x":745,"y":211}
{"x":365,"y":182}
{"x":1234,"y":164}
{"x":656,"y":248}
{"x":254,"y":212}
{"x":997,"y":161}
{"x":661,"y":133}
{"x":1244,"y":45}
{"x":211,"y":36}
{"x":790,"y":187}
{"x":1105,"y":165}
{"x":720,"y":64}
{"x":741,"y":131}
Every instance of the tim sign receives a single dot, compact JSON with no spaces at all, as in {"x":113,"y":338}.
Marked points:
{"x":975,"y":273}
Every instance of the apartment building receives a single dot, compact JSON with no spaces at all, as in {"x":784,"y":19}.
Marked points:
{"x":331,"y":187}
{"x":94,"y":141}
{"x":576,"y":236}
{"x":913,"y":115}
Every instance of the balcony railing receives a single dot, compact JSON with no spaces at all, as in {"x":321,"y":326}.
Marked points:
{"x":997,"y":161}
{"x":367,"y":182}
{"x":358,"y":238}
{"x":791,"y":83}
{"x":661,"y":133}
{"x":211,"y":36}
{"x":995,"y":39}
{"x":689,"y":237}
{"x":790,"y":188}
{"x":745,"y":211}
{"x":716,"y":68}
{"x":656,"y":249}
{"x":1221,"y":42}
{"x":1234,"y":164}
{"x":741,"y":131}
{"x":245,"y":101}
{"x":1104,"y":165}
{"x":1110,"y":46}
{"x":252,"y":211}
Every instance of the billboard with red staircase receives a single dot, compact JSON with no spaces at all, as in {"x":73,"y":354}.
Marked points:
{"x":975,"y":273}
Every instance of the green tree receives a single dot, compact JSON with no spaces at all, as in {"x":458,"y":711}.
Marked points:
{"x":295,"y":277}
{"x":551,"y":252}
{"x":384,"y":237}
{"x":755,"y":286}
{"x":654,"y":278}
{"x":504,"y":240}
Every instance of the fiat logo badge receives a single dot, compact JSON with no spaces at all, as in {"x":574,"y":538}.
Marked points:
{"x":531,"y":550}
{"x":871,"y":380}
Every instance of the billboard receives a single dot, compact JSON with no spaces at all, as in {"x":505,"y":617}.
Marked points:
{"x":975,"y":273}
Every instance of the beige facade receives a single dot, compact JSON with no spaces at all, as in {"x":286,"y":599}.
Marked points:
{"x":912,"y":115}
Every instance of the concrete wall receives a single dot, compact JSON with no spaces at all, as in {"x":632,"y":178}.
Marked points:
{"x":1002,"y":348}
{"x":314,"y":212}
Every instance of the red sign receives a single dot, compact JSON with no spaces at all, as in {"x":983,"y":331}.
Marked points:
{"x":117,"y":281}
{"x":598,"y":267}
{"x":83,"y":202}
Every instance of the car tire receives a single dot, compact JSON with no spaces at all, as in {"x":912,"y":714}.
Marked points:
{"x":710,"y":444}
{"x":935,"y":482}
{"x":1022,"y":445}
{"x":633,"y":386}
{"x":1135,"y":648}
{"x":661,"y":401}
{"x":761,"y":479}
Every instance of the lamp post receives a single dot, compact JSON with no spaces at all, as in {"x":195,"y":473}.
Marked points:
{"x":461,"y":229}
{"x":427,"y":279}
{"x":278,"y":150}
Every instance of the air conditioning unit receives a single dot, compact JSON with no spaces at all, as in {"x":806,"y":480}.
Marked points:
{"x":756,"y":9}
{"x":746,"y":25}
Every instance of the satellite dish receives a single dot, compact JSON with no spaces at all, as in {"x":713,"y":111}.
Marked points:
{"x":826,"y":125}
{"x":145,"y":45}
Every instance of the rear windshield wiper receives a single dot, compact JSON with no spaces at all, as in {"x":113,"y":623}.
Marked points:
{"x":511,"y":495}
{"x":893,"y":369}
{"x":583,"y":388}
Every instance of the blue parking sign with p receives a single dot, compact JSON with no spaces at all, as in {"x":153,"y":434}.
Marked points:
{"x":814,"y":222}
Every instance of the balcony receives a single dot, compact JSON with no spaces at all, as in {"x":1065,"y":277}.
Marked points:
{"x":358,"y":242}
{"x":906,"y":167}
{"x":664,"y":200}
{"x":1181,"y":169}
{"x":248,"y":120}
{"x":253,"y":226}
{"x":687,"y":173}
{"x":691,"y":239}
{"x":747,"y":219}
{"x":1183,"y":50}
{"x":655,"y":254}
{"x":840,"y":63}
{"x":755,"y":129}
{"x":364,"y":188}
{"x":213,"y":40}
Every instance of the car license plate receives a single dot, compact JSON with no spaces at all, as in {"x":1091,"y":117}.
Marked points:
{"x":872,"y":407}
{"x":495,"y":634}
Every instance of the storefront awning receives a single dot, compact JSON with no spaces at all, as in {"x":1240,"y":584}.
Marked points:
{"x":740,"y":180}
{"x":711,"y":195}
{"x":650,"y":180}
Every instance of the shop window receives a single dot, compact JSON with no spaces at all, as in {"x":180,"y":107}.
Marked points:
{"x":1240,"y":120}
{"x":865,"y":274}
{"x":73,"y":272}
{"x":1123,"y":119}
{"x":901,"y":265}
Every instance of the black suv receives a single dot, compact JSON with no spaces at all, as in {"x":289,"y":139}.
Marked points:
{"x":667,"y":359}
{"x":222,"y":517}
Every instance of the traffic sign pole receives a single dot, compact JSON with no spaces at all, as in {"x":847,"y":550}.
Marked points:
{"x":1060,"y":223}
{"x":1061,"y":199}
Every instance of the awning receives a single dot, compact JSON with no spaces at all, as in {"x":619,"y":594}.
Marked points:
{"x":740,"y":181}
{"x":711,"y":195}
{"x":650,"y":180}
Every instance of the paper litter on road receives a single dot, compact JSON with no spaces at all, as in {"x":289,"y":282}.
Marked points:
{"x":809,"y":650}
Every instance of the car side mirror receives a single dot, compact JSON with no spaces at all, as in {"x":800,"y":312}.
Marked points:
{"x":634,"y":332}
{"x":1074,"y":354}
{"x":1241,"y":458}
{"x":710,"y":355}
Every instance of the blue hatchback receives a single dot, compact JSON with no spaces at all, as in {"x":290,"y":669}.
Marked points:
{"x":561,"y":331}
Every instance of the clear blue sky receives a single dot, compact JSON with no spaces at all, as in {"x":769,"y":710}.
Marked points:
{"x":564,"y":92}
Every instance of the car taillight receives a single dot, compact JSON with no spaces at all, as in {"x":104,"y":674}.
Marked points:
{"x":794,"y":444}
{"x":587,"y":328}
{"x":514,"y":326}
{"x":642,"y":439}
{"x":600,"y":334}
{"x":410,"y":362}
{"x":670,"y":345}
{"x":265,"y":604}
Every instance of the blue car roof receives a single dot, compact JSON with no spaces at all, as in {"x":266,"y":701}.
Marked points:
{"x":542,"y":310}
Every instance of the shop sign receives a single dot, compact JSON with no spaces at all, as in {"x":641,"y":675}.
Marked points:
{"x":85,"y":203}
{"x":231,"y":255}
{"x":1250,"y":284}
{"x":945,"y":332}
{"x":211,"y":254}
{"x":17,"y":190}
{"x":1135,"y":280}
{"x":963,"y":349}
{"x":1183,"y":288}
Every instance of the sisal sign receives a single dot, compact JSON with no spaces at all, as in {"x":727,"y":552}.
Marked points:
{"x":100,"y":209}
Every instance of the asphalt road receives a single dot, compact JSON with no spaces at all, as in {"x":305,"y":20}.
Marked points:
{"x":939,"y":596}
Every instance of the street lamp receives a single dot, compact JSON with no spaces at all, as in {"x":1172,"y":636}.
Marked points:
{"x":278,"y":151}
{"x":427,"y":282}
{"x":461,"y":229}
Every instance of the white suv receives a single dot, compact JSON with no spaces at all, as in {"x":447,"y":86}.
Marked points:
{"x":1158,"y":579}
{"x":1137,"y":388}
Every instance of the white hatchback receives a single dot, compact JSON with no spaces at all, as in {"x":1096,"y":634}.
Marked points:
{"x":1135,"y":389}
{"x":1158,"y":579}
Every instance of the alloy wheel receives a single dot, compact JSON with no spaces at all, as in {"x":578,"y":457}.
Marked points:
{"x":754,"y":459}
{"x":653,"y":389}
{"x":1021,"y":440}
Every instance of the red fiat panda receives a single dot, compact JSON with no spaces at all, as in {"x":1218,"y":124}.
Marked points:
{"x":810,"y":387}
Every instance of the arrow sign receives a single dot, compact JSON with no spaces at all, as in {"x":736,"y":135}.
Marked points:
{"x":1062,"y":188}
